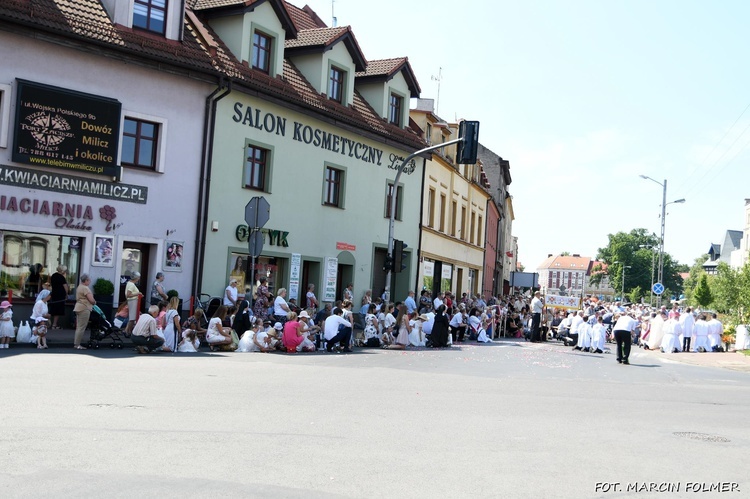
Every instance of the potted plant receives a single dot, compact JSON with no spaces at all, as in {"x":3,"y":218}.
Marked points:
{"x":104,"y":291}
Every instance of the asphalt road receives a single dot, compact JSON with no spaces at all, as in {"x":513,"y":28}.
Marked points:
{"x":503,"y":420}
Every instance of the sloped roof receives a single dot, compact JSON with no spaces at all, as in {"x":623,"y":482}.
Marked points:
{"x":88,"y":21}
{"x":305,"y":18}
{"x":202,"y":52}
{"x":320,"y":39}
{"x":565,"y":263}
{"x":227,"y":7}
{"x":385,"y":69}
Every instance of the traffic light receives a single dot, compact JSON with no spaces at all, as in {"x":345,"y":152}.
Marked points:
{"x":388,"y":264}
{"x":399,"y":255}
{"x":467,"y":148}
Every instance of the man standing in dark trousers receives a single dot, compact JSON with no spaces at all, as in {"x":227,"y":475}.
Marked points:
{"x":537,"y":307}
{"x":623,"y":329}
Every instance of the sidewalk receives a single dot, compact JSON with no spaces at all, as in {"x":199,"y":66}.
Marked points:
{"x":735,"y":361}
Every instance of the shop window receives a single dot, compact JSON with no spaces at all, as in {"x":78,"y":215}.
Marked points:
{"x":140,"y":143}
{"x":395,"y":108}
{"x":29,"y":259}
{"x":150,"y":15}
{"x":271,"y":268}
{"x":333,"y":188}
{"x":336,"y":84}
{"x":262,"y":46}
{"x":257,"y":163}
{"x":399,"y":197}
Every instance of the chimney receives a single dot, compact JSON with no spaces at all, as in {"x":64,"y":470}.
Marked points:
{"x":426,"y":105}
{"x":549,"y":255}
{"x":576,"y":255}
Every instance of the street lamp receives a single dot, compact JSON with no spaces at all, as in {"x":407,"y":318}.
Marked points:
{"x":622,"y":294}
{"x":664,"y":204}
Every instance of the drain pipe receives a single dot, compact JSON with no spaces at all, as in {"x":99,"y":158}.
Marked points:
{"x":209,"y":126}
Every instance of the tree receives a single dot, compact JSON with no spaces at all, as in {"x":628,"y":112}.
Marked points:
{"x":635,"y":294}
{"x":695,"y":273}
{"x":702,"y":293}
{"x":731,"y":291}
{"x":634,"y":249}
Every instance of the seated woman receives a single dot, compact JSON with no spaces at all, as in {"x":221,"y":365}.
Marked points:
{"x":195,"y":322}
{"x":372,"y":339}
{"x":309,"y":329}
{"x":122,"y":316}
{"x":294,"y":333}
{"x":247,"y":342}
{"x":218,"y":335}
{"x":266,"y":340}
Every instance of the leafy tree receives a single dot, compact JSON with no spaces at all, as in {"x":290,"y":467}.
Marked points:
{"x":695,"y":272}
{"x":731,"y":290}
{"x":634,"y":249}
{"x":565,"y":253}
{"x":702,"y":292}
{"x":635,"y":294}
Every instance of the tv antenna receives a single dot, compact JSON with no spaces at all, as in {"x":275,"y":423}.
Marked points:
{"x":437,"y":79}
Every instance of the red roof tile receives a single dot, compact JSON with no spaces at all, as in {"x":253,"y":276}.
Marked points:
{"x":304,"y":18}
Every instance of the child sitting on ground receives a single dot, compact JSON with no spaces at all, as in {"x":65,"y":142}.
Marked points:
{"x":190,"y":341}
{"x":40,"y":333}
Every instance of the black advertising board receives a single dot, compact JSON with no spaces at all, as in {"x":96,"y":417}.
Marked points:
{"x":61,"y":128}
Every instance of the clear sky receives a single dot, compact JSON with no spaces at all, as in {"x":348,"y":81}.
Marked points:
{"x":582,"y":96}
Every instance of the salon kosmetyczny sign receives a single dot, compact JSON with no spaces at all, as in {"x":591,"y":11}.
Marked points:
{"x":61,"y":128}
{"x":316,"y":137}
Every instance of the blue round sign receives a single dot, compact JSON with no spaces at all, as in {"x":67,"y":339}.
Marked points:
{"x":658,"y":288}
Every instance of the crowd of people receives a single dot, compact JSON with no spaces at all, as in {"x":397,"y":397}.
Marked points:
{"x":275,"y":323}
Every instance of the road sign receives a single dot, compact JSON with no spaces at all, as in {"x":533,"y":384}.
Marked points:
{"x":658,"y":288}
{"x":255,"y":243}
{"x":257,"y":212}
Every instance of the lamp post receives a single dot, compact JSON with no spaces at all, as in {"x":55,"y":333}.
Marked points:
{"x":660,"y":274}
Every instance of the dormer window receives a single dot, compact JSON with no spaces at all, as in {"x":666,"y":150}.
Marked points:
{"x":150,"y":15}
{"x":395,"y":106}
{"x":336,"y":84}
{"x":262,"y":52}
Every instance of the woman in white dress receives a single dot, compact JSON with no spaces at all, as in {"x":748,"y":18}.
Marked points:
{"x":247,"y":342}
{"x":416,"y":336}
{"x":172,"y":329}
{"x":40,"y":314}
{"x":216,"y":334}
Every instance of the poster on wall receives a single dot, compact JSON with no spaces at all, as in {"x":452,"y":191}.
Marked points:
{"x":62,"y":128}
{"x":329,"y":290}
{"x":173,"y":256}
{"x":103,"y":251}
{"x":294,"y":276}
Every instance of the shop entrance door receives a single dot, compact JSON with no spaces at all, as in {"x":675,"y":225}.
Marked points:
{"x":134,"y":258}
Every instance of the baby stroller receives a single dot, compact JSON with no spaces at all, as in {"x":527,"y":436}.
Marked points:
{"x":102,"y":329}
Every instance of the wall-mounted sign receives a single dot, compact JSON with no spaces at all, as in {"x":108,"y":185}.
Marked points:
{"x":316,"y":137}
{"x":65,"y":129}
{"x":275,"y":237}
{"x":345,"y":247}
{"x":67,"y":215}
{"x":70,"y":184}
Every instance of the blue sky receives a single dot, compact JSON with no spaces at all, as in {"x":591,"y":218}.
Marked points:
{"x":583,"y":96}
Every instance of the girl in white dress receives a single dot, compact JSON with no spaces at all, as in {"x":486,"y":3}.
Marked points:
{"x":247,"y":342}
{"x":6,"y":324}
{"x":190,"y":341}
{"x":416,"y":336}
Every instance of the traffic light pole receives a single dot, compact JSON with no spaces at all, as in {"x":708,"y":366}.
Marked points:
{"x":392,"y":218}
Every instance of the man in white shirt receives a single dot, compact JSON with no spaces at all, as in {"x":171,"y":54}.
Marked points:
{"x":411,"y":304}
{"x":438,"y":300}
{"x":144,"y":335}
{"x":333,"y":334}
{"x":623,"y":330}
{"x":457,"y":327}
{"x":537,"y":307}
{"x":687,"y":321}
